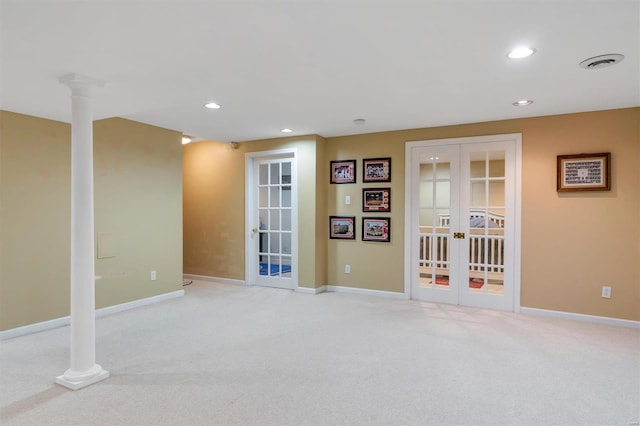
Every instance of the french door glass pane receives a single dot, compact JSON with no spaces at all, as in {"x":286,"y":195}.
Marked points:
{"x":263,"y":174}
{"x":275,"y":174}
{"x":274,"y":242}
{"x":263,"y":195}
{"x":274,"y":223}
{"x":286,"y":243}
{"x":274,"y":199}
{"x":275,"y":214}
{"x":486,"y":222}
{"x":286,"y":219}
{"x":433,"y":219}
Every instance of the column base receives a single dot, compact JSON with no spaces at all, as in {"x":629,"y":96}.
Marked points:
{"x":75,"y":381}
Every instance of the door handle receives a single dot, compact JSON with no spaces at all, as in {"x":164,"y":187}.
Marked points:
{"x":254,"y":230}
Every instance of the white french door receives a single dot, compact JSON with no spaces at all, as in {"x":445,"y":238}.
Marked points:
{"x":271,"y":218}
{"x":462,"y":223}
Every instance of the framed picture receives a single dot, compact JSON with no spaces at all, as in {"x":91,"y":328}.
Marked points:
{"x":342,"y":227}
{"x":376,"y":229}
{"x":376,"y":199}
{"x":343,"y":171}
{"x":376,"y":170}
{"x":584,"y":172}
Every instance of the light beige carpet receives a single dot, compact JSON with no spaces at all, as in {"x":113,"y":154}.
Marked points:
{"x":228,"y":354}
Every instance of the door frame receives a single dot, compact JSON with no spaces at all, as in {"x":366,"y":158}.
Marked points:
{"x":250,"y":270}
{"x":515,"y":138}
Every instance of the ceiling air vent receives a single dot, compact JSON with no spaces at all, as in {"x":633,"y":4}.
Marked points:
{"x":601,"y":61}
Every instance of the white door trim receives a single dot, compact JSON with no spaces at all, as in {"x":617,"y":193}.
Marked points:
{"x":408,"y":188}
{"x":250,"y":157}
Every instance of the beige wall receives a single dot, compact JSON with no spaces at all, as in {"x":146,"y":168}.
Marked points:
{"x":587,"y":239}
{"x":214,"y":199}
{"x":35,"y":208}
{"x":572,"y":244}
{"x":137,"y":200}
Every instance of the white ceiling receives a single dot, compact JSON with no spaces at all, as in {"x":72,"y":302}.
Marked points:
{"x":315,"y":65}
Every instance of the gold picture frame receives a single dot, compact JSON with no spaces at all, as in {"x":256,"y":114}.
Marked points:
{"x":584,"y":172}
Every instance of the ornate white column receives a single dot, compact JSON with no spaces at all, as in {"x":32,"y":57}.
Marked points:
{"x":83,"y":371}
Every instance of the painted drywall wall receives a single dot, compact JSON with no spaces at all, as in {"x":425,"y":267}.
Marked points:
{"x":35,"y":228}
{"x":138,"y":203}
{"x":214,"y":200}
{"x":572,"y":244}
{"x":322,"y":222}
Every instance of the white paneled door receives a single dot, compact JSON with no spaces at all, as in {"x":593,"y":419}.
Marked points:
{"x":271,"y":256}
{"x":462,"y":221}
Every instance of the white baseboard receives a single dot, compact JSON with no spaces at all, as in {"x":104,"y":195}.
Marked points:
{"x":61,"y":322}
{"x":138,"y":303}
{"x":367,"y":292}
{"x":309,"y":290}
{"x":213,"y":279}
{"x":580,"y":317}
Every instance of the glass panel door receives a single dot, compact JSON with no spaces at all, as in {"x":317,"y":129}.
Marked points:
{"x":462,"y":213}
{"x":486,"y":222}
{"x":436,"y":175}
{"x":487,"y":171}
{"x":273,"y":253}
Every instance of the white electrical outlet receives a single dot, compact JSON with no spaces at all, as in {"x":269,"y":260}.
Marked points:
{"x":606,"y":292}
{"x":347,"y":269}
{"x":153,"y":275}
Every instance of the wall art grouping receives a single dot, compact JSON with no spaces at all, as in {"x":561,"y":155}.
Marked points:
{"x":374,"y":200}
{"x":373,"y":228}
{"x":373,"y":170}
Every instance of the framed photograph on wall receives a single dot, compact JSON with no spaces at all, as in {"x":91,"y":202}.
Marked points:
{"x":376,"y":170}
{"x":376,"y":229}
{"x":343,"y":171}
{"x":342,"y":227}
{"x":376,"y":199}
{"x":584,"y":172}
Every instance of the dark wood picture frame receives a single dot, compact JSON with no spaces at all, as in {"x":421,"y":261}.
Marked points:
{"x":342,"y":171}
{"x":584,"y":172}
{"x":376,"y":169}
{"x":376,"y":199}
{"x":376,"y":229}
{"x":342,"y":227}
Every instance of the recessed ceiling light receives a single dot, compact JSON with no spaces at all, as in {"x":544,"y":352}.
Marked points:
{"x":211,"y":105}
{"x":523,"y":102}
{"x":186,"y":140}
{"x":287,"y":130}
{"x":521,"y":52}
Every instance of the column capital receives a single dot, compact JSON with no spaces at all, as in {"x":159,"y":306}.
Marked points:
{"x":80,"y":84}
